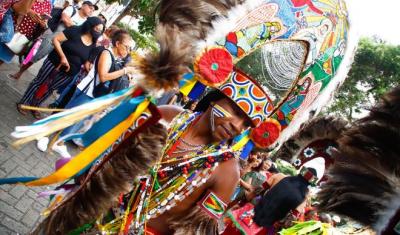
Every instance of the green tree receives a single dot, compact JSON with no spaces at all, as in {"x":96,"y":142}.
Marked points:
{"x":143,"y":41}
{"x":144,"y":10}
{"x":375,"y":70}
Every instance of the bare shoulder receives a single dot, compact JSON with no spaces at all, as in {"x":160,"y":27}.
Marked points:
{"x":168,"y":112}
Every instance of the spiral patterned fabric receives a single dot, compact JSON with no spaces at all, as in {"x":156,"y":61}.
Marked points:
{"x":248,"y":95}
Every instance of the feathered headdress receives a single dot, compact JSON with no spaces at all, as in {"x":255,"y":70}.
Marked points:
{"x":364,"y":182}
{"x":302,"y":44}
{"x":316,"y":138}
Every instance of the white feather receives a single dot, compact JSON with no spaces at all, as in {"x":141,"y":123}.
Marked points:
{"x":222,"y":26}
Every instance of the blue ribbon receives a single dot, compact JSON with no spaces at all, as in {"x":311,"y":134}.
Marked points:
{"x":112,"y":119}
{"x":197,"y":91}
{"x":16,"y":180}
{"x":246,"y":150}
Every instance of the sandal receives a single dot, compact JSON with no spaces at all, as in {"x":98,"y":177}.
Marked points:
{"x":36,"y":114}
{"x":20,"y":110}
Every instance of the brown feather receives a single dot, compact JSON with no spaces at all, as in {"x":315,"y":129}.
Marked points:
{"x":324,"y":127}
{"x":182,"y":24}
{"x":136,"y":155}
{"x":364,"y":182}
{"x":162,"y":70}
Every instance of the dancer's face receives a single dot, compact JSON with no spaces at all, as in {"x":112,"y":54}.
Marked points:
{"x":230,"y":125}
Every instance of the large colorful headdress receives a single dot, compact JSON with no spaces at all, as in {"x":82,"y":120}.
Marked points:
{"x":293,"y":49}
{"x":299,"y":45}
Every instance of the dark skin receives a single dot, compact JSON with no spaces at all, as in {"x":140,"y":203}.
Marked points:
{"x":226,"y":176}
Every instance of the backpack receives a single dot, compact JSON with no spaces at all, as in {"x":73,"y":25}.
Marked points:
{"x":55,"y":19}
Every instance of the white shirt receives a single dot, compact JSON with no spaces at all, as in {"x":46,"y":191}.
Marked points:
{"x":76,"y":19}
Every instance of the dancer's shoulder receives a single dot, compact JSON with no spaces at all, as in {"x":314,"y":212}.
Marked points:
{"x":169,"y":112}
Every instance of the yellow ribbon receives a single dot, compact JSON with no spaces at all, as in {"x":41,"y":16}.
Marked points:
{"x":187,"y":88}
{"x":91,"y":152}
{"x":239,"y":145}
{"x":27,"y":107}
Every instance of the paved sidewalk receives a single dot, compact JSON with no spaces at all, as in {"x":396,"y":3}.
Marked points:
{"x":19,"y":206}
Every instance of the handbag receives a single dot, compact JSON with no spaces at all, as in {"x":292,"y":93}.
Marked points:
{"x":7,"y":27}
{"x":32,"y":52}
{"x":17,"y":43}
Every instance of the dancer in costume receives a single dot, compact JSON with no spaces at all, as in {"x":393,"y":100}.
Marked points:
{"x":186,"y":180}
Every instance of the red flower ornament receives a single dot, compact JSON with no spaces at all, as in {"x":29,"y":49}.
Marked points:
{"x":266,"y":133}
{"x":214,"y":66}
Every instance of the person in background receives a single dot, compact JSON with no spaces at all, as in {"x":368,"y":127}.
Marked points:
{"x":239,"y":218}
{"x":254,"y":160}
{"x":103,"y":42}
{"x":69,"y":91}
{"x":10,"y":11}
{"x":72,"y":49}
{"x":285,"y":198}
{"x":110,"y":65}
{"x":73,"y":17}
{"x":70,"y":16}
{"x":105,"y":39}
{"x":33,"y":23}
{"x":20,"y":7}
{"x":252,"y":181}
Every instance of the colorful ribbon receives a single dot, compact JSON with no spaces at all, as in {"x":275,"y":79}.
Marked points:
{"x":86,"y":157}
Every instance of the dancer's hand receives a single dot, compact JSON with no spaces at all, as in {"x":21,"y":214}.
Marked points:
{"x":64,"y":63}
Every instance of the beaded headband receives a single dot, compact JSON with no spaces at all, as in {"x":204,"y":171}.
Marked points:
{"x":248,"y":95}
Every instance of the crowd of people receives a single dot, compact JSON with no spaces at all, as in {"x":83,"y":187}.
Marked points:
{"x":198,"y":159}
{"x":82,"y":58}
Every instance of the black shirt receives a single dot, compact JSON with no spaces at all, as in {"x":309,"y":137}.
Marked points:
{"x":74,"y":49}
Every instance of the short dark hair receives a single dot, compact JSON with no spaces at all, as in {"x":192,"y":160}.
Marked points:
{"x":118,"y":36}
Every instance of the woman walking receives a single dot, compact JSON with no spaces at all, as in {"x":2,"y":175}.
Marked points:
{"x":110,"y":69}
{"x":71,"y":49}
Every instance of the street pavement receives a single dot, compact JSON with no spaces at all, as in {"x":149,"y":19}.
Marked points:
{"x":20,"y":208}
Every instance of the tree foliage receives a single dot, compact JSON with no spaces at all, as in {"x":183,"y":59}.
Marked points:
{"x":375,"y":70}
{"x":144,"y":10}
{"x":143,"y":41}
